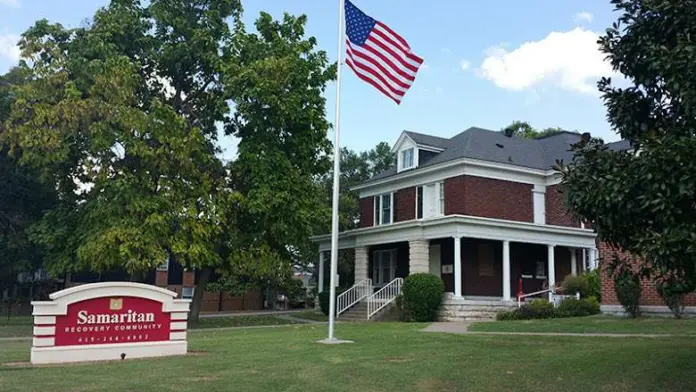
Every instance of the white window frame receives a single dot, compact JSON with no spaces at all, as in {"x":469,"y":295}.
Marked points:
{"x":441,"y":197}
{"x":379,"y":257}
{"x":403,"y":153}
{"x":378,"y":218}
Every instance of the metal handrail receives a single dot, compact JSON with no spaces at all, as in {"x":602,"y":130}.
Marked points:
{"x":353,"y":295}
{"x":384,"y":296}
{"x":521,"y":296}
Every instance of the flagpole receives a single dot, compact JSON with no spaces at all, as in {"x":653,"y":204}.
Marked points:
{"x":336,"y":178}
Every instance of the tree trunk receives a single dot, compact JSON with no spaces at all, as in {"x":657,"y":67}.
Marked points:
{"x":197,"y":302}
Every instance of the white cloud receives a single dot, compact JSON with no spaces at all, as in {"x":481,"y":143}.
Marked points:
{"x":424,"y":67}
{"x":465,"y":64}
{"x":583,"y":17}
{"x":570,"y":60}
{"x":439,"y":90}
{"x":446,"y":50}
{"x":8,"y":46}
{"x":10,"y":3}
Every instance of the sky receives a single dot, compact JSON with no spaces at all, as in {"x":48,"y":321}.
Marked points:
{"x":486,"y":63}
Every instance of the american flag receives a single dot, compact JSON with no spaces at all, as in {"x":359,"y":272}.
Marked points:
{"x":378,"y":55}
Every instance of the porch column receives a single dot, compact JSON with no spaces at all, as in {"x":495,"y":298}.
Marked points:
{"x":593,"y":258}
{"x":361,"y":264}
{"x":552,"y":270}
{"x":457,"y":267}
{"x":320,"y":281}
{"x":506,"y":271}
{"x":418,"y":257}
{"x":573,"y":261}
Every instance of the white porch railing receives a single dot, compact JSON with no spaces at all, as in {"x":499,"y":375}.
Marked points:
{"x":383,"y":297}
{"x":555,"y":298}
{"x":353,"y":295}
{"x":522,"y":296}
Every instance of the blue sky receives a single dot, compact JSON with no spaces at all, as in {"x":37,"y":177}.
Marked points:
{"x":486,"y":63}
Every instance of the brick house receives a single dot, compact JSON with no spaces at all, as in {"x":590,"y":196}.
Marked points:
{"x":481,"y":210}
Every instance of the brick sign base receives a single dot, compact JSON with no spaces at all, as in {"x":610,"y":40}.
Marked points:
{"x":109,"y":321}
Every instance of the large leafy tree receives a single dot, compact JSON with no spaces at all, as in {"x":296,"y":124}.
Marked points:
{"x":643,"y":199}
{"x":119,"y":116}
{"x":276,"y":80}
{"x":23,"y":198}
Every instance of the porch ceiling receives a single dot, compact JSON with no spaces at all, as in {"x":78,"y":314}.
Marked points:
{"x":462,"y":226}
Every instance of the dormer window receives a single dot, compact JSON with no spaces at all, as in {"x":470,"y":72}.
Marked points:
{"x":408,"y":158}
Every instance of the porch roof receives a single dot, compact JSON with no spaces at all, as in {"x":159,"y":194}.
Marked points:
{"x":462,"y":226}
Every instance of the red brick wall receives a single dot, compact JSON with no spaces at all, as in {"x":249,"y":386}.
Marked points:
{"x":650,"y":297}
{"x":405,"y":204}
{"x":367,"y":211}
{"x":478,"y":196}
{"x":556,"y":212}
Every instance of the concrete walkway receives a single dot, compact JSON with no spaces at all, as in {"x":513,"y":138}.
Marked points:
{"x":462,"y":328}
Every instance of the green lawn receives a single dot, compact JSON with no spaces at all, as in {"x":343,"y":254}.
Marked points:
{"x":19,"y":326}
{"x":311,"y":315}
{"x":385,"y":357}
{"x":238,"y":321}
{"x":593,"y":324}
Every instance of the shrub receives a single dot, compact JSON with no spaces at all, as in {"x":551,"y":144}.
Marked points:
{"x":537,"y":309}
{"x":594,"y":284}
{"x":324,"y":300}
{"x":575,"y":284}
{"x":572,"y":307}
{"x":673,"y":292}
{"x":628,"y":290}
{"x":509,"y":315}
{"x":423,"y":296}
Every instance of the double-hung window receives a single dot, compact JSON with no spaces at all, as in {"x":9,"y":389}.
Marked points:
{"x":384,"y":209}
{"x":408,"y":158}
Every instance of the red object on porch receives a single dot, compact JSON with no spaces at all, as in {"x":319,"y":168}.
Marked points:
{"x":520,"y":290}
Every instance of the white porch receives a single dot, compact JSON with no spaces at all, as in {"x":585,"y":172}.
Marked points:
{"x":480,"y":260}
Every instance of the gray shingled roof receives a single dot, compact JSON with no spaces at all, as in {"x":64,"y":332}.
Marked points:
{"x":494,"y":146}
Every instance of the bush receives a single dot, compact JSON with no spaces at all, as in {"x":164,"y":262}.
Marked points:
{"x":324,"y":300}
{"x":509,"y":315}
{"x":673,"y":292}
{"x":628,"y":290}
{"x":594,"y":284}
{"x":537,"y":309}
{"x":575,"y":284}
{"x":423,"y":296}
{"x":572,"y":307}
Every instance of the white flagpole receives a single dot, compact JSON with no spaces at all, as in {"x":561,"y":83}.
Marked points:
{"x":336,"y":178}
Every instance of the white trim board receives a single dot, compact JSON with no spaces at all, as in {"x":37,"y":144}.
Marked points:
{"x":463,"y":226}
{"x":455,"y":168}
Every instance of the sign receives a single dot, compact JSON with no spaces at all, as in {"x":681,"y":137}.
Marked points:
{"x":109,"y":321}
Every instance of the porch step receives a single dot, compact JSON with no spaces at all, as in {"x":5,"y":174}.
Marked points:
{"x":357,"y":312}
{"x":452,"y":311}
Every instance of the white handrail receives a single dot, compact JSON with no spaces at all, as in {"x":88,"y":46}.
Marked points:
{"x":353,"y":295}
{"x":384,"y":297}
{"x":519,"y":297}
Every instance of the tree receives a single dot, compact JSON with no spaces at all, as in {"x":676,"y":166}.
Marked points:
{"x":526,"y":131}
{"x":124,"y":112}
{"x":23,"y":198}
{"x":643,"y":200}
{"x":277,"y":80}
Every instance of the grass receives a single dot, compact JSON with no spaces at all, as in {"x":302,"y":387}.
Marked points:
{"x":238,"y":321}
{"x":311,"y":315}
{"x":385,"y":357}
{"x":593,"y":324}
{"x":15,"y":326}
